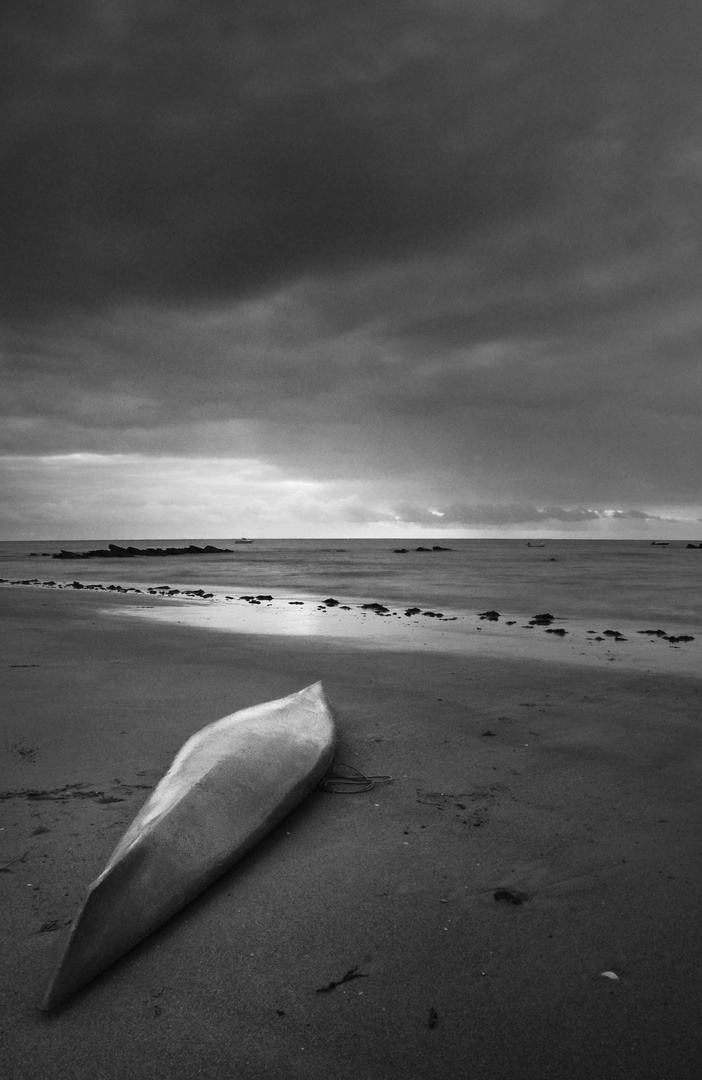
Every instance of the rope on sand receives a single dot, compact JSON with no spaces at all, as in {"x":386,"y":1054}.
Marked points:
{"x":347,"y":780}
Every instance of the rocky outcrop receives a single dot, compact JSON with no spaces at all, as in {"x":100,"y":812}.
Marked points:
{"x":545,"y":619}
{"x":114,"y":551}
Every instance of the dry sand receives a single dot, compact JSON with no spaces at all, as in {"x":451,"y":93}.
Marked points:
{"x":584,"y":797}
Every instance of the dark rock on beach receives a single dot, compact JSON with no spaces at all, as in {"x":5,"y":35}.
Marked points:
{"x":491,"y":616}
{"x":512,"y":896}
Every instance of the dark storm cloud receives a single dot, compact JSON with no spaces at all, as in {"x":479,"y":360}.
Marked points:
{"x":166,"y":150}
{"x":443,"y":250}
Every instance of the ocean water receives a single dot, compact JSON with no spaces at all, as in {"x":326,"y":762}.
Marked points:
{"x":602,"y":580}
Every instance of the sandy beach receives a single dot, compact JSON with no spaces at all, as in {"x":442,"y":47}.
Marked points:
{"x":572,"y":786}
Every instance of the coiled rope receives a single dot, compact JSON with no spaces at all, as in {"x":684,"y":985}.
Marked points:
{"x":347,"y":780}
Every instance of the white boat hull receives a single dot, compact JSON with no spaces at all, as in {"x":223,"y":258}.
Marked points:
{"x":230,"y":784}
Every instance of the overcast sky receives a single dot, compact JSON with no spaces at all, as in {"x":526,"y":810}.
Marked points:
{"x":346,"y":268}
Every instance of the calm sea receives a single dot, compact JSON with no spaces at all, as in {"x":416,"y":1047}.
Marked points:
{"x":599,"y":579}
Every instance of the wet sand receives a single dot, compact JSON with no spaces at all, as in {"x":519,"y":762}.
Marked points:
{"x":571,"y":786}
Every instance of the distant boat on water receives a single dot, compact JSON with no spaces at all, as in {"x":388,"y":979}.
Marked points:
{"x":659,"y":543}
{"x":243,"y":540}
{"x":529,"y":544}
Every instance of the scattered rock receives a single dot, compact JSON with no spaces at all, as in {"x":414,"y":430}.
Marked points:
{"x":491,"y":616}
{"x":512,"y":896}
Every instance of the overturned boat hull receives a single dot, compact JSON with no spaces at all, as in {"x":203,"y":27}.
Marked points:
{"x":230,"y":784}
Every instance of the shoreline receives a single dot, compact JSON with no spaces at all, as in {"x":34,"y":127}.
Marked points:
{"x":370,"y":624}
{"x":576,"y":787}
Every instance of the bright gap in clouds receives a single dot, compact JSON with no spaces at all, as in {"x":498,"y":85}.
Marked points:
{"x":100,"y":495}
{"x":89,"y":495}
